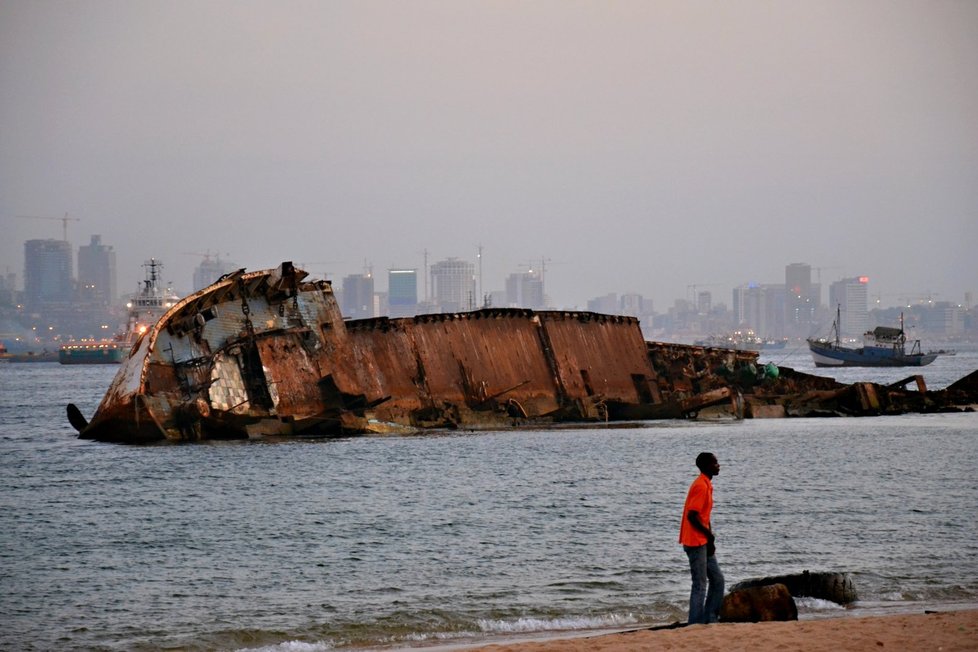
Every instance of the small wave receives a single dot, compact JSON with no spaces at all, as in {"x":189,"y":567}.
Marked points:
{"x":523,"y":625}
{"x":586,"y":585}
{"x":817,"y":604}
{"x":290,"y":646}
{"x":435,"y":636}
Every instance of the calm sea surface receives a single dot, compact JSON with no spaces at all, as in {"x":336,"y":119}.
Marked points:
{"x":442,"y":538}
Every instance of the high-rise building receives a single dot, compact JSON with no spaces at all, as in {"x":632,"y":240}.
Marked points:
{"x":96,"y":272}
{"x":210,"y":269}
{"x":801,"y":300}
{"x":704,"y":302}
{"x":8,"y":288}
{"x":47,"y":273}
{"x":851,"y":295}
{"x":525,"y":290}
{"x":402,"y":292}
{"x":358,"y":296}
{"x":943,"y":318}
{"x":760,"y":307}
{"x":607,"y":304}
{"x":453,"y":285}
{"x":635,"y":305}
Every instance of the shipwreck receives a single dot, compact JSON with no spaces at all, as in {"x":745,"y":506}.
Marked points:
{"x":268,"y":353}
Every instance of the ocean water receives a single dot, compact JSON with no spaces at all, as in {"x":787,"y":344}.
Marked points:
{"x":455,"y":537}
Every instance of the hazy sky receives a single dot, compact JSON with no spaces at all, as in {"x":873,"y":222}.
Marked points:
{"x":639,"y":146}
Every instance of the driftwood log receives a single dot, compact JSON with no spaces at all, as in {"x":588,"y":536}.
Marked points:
{"x":835,"y":587}
{"x":758,"y":603}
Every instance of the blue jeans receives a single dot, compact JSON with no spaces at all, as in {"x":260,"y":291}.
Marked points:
{"x":704,"y":605}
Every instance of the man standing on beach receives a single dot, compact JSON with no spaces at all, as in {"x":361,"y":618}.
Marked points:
{"x":700,"y":545}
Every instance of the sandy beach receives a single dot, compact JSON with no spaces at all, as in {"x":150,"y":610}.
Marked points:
{"x":948,"y":631}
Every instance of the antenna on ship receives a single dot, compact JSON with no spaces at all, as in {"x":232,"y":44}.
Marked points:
{"x":153,"y":271}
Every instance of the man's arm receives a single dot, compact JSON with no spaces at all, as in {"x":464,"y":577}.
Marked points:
{"x":694,"y":518}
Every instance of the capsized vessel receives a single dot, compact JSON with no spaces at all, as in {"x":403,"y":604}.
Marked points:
{"x":268,"y":353}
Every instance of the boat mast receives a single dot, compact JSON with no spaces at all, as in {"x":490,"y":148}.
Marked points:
{"x":903,"y":337}
{"x":838,"y":320}
{"x":153,"y":268}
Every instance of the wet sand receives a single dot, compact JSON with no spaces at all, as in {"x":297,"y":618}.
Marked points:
{"x":946,"y":631}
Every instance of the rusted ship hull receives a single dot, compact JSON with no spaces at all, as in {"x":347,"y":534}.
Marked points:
{"x":268,"y":353}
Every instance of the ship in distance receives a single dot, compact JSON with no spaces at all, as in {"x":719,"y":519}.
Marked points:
{"x":884,"y":346}
{"x":743,"y":340}
{"x":142,"y":310}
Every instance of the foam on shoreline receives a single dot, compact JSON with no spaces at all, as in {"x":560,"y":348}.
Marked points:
{"x":948,"y":627}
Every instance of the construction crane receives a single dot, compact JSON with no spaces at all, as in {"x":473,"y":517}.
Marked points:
{"x":543,"y":261}
{"x":818,"y":271}
{"x":307,"y":265}
{"x":693,"y":287}
{"x":64,"y":221}
{"x":205,"y":255}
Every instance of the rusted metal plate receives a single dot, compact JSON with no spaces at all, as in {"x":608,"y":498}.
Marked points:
{"x":481,"y":355}
{"x":292,"y":374}
{"x":598,"y":355}
{"x":392,"y":364}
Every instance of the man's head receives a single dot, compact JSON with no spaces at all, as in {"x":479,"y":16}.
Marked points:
{"x":707,"y":463}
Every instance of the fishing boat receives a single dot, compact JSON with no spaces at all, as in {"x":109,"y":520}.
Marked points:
{"x":774,"y":344}
{"x":143,"y":309}
{"x":883,"y":346}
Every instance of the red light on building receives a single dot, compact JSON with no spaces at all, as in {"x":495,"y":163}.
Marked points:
{"x":864,"y":279}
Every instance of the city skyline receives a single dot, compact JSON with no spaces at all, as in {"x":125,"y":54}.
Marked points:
{"x":57,"y":304}
{"x":718,"y":293}
{"x":635,"y":148}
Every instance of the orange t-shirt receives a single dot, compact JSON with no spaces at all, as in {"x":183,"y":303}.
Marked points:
{"x":699,"y":499}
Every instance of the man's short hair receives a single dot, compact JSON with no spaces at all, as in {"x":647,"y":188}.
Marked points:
{"x":703,"y":459}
